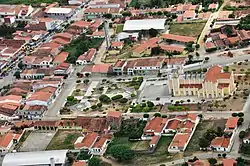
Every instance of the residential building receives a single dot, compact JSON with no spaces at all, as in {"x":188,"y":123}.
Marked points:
{"x":62,"y":38}
{"x":19,"y":11}
{"x":229,"y":162}
{"x":178,"y":38}
{"x":42,"y":24}
{"x":32,"y":111}
{"x":115,"y":47}
{"x":213,"y":6}
{"x":221,"y":144}
{"x":119,"y":67}
{"x":37,"y":61}
{"x":179,"y":142}
{"x":100,"y":145}
{"x":60,"y":13}
{"x":214,"y":84}
{"x":98,"y":69}
{"x":86,"y":142}
{"x":189,"y":15}
{"x":60,"y":58}
{"x":154,"y":141}
{"x":154,"y":127}
{"x":114,"y":118}
{"x":7,"y":140}
{"x":231,"y":124}
{"x":94,"y":13}
{"x":78,"y":27}
{"x":63,"y":69}
{"x":87,"y":57}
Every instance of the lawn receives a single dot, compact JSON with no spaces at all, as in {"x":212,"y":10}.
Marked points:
{"x":187,"y":29}
{"x":140,"y":145}
{"x":201,"y":129}
{"x":63,"y":140}
{"x":75,"y":93}
{"x":119,"y":28}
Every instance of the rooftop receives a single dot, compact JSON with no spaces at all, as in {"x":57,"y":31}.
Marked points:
{"x":179,"y":38}
{"x":59,"y":10}
{"x":146,"y":24}
{"x":179,"y":140}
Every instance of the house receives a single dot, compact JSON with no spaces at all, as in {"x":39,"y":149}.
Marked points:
{"x":144,"y":48}
{"x":179,"y":142}
{"x":100,"y":145}
{"x":60,"y":58}
{"x":229,"y":162}
{"x":178,"y":38}
{"x":78,"y":27}
{"x":114,"y":118}
{"x":32,"y":74}
{"x":79,"y":163}
{"x":172,"y":126}
{"x":40,"y":84}
{"x":87,"y":57}
{"x":98,"y":34}
{"x":86,"y":142}
{"x":172,"y":65}
{"x":62,"y":38}
{"x":154,"y":141}
{"x":231,"y":124}
{"x":32,"y":111}
{"x":123,"y":36}
{"x":221,"y":144}
{"x":95,"y":13}
{"x":154,"y":127}
{"x":119,"y":67}
{"x":60,"y":13}
{"x":171,"y":48}
{"x":189,"y":15}
{"x":117,"y":45}
{"x":37,"y":61}
{"x":214,"y":84}
{"x":63,"y":69}
{"x":7,"y":140}
{"x":98,"y":69}
{"x":19,"y":11}
{"x":52,"y":48}
{"x":213,"y":6}
{"x":46,"y":125}
{"x":41,"y":24}
{"x":42,"y":97}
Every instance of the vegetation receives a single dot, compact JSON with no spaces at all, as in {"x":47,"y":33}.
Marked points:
{"x":122,"y":152}
{"x":71,"y":100}
{"x":178,"y":108}
{"x":119,"y":28}
{"x":212,"y":161}
{"x":153,"y":3}
{"x":136,"y":82}
{"x":116,"y":97}
{"x":94,"y":161}
{"x":104,"y":99}
{"x":32,"y":2}
{"x":80,"y":45}
{"x":245,"y":23}
{"x":144,"y":107}
{"x":187,"y":29}
{"x":83,"y":155}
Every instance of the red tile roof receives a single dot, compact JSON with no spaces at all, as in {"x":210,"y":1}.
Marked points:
{"x":81,"y":24}
{"x":101,"y":141}
{"x":79,"y":163}
{"x":223,"y":85}
{"x":179,"y":38}
{"x":229,"y":162}
{"x":148,"y":62}
{"x":119,"y":63}
{"x":214,"y":73}
{"x":115,"y":114}
{"x":88,"y":55}
{"x":173,"y":124}
{"x":117,"y":44}
{"x":154,"y":140}
{"x":220,"y":142}
{"x":61,"y":57}
{"x":153,"y":42}
{"x":171,"y":48}
{"x":209,"y":45}
{"x":177,"y":60}
{"x":63,"y":66}
{"x":180,"y":140}
{"x":212,"y":6}
{"x":189,"y":14}
{"x":232,"y":122}
{"x":87,"y":141}
{"x":199,"y":86}
{"x":101,"y":68}
{"x":97,"y":10}
{"x":156,"y":124}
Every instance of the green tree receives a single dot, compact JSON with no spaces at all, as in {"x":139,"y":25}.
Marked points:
{"x":204,"y":143}
{"x":197,"y":46}
{"x":145,"y":115}
{"x":86,"y":81}
{"x":212,"y":161}
{"x":99,"y":105}
{"x":122,"y":152}
{"x":17,"y":74}
{"x":104,"y":99}
{"x":94,"y":161}
{"x":123,"y":100}
{"x":150,"y":104}
{"x":157,"y":115}
{"x":153,"y":32}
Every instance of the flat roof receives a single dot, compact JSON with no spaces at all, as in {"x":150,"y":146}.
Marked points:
{"x":59,"y":10}
{"x":145,"y":24}
{"x":34,"y":158}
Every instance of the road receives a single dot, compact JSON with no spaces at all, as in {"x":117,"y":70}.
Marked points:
{"x":214,"y":59}
{"x":207,"y":28}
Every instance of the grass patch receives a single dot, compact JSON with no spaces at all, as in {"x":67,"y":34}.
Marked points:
{"x":119,"y":28}
{"x":201,"y":129}
{"x":140,"y":145}
{"x":63,"y":140}
{"x":187,"y":29}
{"x":75,"y":93}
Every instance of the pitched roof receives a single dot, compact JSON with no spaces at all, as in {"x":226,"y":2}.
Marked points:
{"x":101,"y":68}
{"x":156,"y":124}
{"x":189,"y":14}
{"x":11,"y":97}
{"x":154,"y":140}
{"x":232,"y":122}
{"x":229,"y":162}
{"x":171,"y":48}
{"x":87,"y":141}
{"x":173,"y":124}
{"x":6,"y":139}
{"x":179,"y":38}
{"x":117,"y":44}
{"x":61,"y":57}
{"x":101,"y":141}
{"x":79,"y":163}
{"x":147,"y":44}
{"x":214,"y":73}
{"x":88,"y":55}
{"x":180,"y":140}
{"x":115,"y":114}
{"x":220,"y":142}
{"x":81,"y":24}
{"x":119,"y":63}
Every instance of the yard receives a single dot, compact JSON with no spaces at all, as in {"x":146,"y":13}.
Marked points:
{"x":63,"y":139}
{"x":187,"y":29}
{"x":119,"y":28}
{"x":201,"y":129}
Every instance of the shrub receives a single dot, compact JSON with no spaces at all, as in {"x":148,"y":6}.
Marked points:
{"x":78,"y":81}
{"x":116,"y":97}
{"x":104,"y":99}
{"x":99,"y":105}
{"x":124,"y":100}
{"x":78,"y":90}
{"x":133,"y":95}
{"x":234,"y":114}
{"x":145,"y":115}
{"x":93,"y":107}
{"x":240,"y":114}
{"x":157,"y":115}
{"x":164,"y":116}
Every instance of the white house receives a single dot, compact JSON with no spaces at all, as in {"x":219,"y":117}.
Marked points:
{"x":100,"y":145}
{"x":221,"y":144}
{"x":60,"y":13}
{"x":87,"y":57}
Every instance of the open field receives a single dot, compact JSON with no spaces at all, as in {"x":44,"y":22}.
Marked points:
{"x":63,"y":139}
{"x":187,"y":29}
{"x":37,"y":141}
{"x":201,"y":129}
